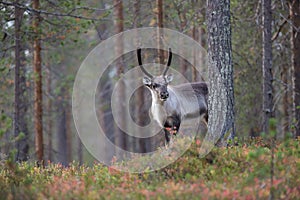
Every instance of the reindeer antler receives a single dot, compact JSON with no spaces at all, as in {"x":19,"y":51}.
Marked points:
{"x":139,"y":50}
{"x":169,"y":62}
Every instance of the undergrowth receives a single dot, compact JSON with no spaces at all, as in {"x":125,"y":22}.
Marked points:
{"x":236,"y":172}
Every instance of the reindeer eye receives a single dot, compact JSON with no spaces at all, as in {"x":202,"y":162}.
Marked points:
{"x":154,"y":85}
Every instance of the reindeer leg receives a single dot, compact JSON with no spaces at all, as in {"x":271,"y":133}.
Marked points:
{"x":168,"y":127}
{"x":171,"y":125}
{"x":167,"y":136}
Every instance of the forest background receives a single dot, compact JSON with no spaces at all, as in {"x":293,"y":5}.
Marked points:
{"x":43,"y":44}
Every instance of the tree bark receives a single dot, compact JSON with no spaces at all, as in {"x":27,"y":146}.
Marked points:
{"x":37,"y":72}
{"x":220,"y":66}
{"x":20,"y":101}
{"x":195,"y":36}
{"x":49,"y":114}
{"x":79,"y":151}
{"x":268,"y":110}
{"x":62,"y":144}
{"x":286,"y":100}
{"x":137,"y":17}
{"x":295,"y":46}
{"x":118,"y":15}
{"x":118,"y":24}
{"x":159,"y":4}
{"x":140,"y":92}
{"x":159,"y":18}
{"x":68,"y":132}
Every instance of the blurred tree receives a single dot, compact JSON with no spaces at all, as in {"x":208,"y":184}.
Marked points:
{"x":268,"y":106}
{"x":295,"y":46}
{"x":62,"y":114}
{"x":20,"y":102}
{"x":38,"y":92}
{"x":120,"y":137}
{"x":49,"y":108}
{"x":53,"y":25}
{"x":160,"y":24}
{"x":61,"y":117}
{"x":139,"y":107}
{"x":281,"y":64}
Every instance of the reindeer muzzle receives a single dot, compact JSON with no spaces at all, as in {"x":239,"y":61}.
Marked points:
{"x":164,"y":95}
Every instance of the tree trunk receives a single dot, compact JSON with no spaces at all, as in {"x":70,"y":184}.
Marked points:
{"x":286,"y":100}
{"x":62,"y":144}
{"x":68,"y":131}
{"x":268,"y":110}
{"x":140,"y":92}
{"x":159,"y":18}
{"x":79,"y":151}
{"x":20,"y":101}
{"x":137,"y":17}
{"x":295,"y":45}
{"x":159,"y":4}
{"x":196,"y":38}
{"x":199,"y":34}
{"x":220,"y":67}
{"x":37,"y":73}
{"x":49,"y":114}
{"x":118,"y":23}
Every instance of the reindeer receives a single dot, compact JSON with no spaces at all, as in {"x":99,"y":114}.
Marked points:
{"x":171,"y":104}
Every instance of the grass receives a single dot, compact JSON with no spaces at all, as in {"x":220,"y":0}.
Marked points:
{"x":238,"y":172}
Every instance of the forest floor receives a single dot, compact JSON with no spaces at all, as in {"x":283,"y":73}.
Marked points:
{"x":238,"y":172}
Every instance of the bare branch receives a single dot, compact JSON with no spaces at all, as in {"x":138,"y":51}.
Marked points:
{"x":280,"y":28}
{"x":290,"y":22}
{"x":37,"y":11}
{"x":8,"y":48}
{"x":98,"y":31}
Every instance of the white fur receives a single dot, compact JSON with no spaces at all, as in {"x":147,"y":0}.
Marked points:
{"x":182,"y":101}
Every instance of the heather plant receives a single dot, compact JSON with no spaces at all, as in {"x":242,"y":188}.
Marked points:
{"x":240,"y":171}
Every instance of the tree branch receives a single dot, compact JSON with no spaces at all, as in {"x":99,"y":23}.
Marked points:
{"x":38,"y":11}
{"x":285,"y":20}
{"x":289,"y":21}
{"x":8,"y":48}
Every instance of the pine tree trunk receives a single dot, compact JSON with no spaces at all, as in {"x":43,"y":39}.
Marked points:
{"x":20,"y":101}
{"x":104,"y":94}
{"x":199,"y":34}
{"x":159,"y":18}
{"x":182,"y":64}
{"x":118,"y":23}
{"x":140,"y":92}
{"x":62,"y":149}
{"x":79,"y":151}
{"x":68,"y":132}
{"x":37,"y":73}
{"x":286,"y":100}
{"x":137,"y":17}
{"x":49,"y":114}
{"x":295,"y":45}
{"x":159,"y":4}
{"x":220,"y":66}
{"x":267,"y":65}
{"x":196,"y":38}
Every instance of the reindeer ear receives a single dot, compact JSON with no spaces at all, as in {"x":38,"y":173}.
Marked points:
{"x":147,"y":81}
{"x":169,"y":78}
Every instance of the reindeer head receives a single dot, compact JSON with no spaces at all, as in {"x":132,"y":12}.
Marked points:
{"x":157,"y":84}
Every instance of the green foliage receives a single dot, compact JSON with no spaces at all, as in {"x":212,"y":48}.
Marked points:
{"x":5,"y":124}
{"x":235,"y":172}
{"x":246,"y":55}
